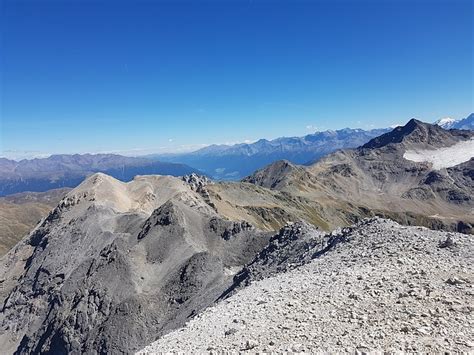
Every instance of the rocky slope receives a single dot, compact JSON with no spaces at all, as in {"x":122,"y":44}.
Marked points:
{"x":19,"y":214}
{"x":116,"y":256}
{"x":65,"y":170}
{"x":378,"y":286}
{"x":378,"y":177}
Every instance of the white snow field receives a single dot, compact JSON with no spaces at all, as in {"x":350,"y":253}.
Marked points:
{"x":443,"y":157}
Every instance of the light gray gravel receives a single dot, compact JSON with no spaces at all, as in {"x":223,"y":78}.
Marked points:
{"x":385,"y":288}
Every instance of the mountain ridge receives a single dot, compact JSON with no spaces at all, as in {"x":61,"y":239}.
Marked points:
{"x":232,"y":162}
{"x":417,"y":133}
{"x":379,"y":178}
{"x":68,"y":170}
{"x":450,"y":123}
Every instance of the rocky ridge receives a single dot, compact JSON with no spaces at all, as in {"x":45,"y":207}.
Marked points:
{"x":233,"y":162}
{"x":381,"y":287}
{"x":115,"y":256}
{"x":377,"y":179}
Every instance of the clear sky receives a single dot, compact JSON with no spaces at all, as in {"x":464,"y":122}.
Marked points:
{"x":148,"y":76}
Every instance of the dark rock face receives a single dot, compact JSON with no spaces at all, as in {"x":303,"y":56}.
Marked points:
{"x":294,"y":245}
{"x":419,"y":133}
{"x":228,"y":230}
{"x":103,"y":282}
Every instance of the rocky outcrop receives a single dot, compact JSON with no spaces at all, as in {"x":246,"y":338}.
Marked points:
{"x":381,"y":287}
{"x":100,"y":275}
{"x":199,"y":184}
{"x":294,"y":245}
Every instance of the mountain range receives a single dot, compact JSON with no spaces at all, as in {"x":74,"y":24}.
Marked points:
{"x":220,"y":162}
{"x":378,"y":177}
{"x":116,"y":265}
{"x":58,"y":171}
{"x":233,"y":162}
{"x":450,"y":123}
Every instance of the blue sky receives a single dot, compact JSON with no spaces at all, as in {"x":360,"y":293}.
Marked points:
{"x":147,"y":76}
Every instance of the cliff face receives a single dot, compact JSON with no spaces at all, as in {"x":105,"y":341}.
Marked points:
{"x":115,"y":265}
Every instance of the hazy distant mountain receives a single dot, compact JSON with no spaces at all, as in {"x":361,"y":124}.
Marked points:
{"x":232,"y":162}
{"x":69,"y":170}
{"x":451,"y":123}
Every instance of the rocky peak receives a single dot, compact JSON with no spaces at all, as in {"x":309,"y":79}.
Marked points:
{"x":418,"y":134}
{"x":274,"y":174}
{"x":195,"y":181}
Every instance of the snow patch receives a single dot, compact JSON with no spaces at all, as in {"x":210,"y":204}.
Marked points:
{"x":443,"y":157}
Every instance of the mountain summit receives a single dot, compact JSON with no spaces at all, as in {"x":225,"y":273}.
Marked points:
{"x":450,"y":123}
{"x":417,"y":134}
{"x":418,"y":174}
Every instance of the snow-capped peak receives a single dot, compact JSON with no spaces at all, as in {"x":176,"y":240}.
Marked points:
{"x":446,"y":122}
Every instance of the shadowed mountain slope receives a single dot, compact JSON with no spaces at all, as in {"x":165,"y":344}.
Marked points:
{"x":375,"y":287}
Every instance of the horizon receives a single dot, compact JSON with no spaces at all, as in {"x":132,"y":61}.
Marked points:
{"x":22,"y":155}
{"x":139,"y":78}
{"x":174,"y":150}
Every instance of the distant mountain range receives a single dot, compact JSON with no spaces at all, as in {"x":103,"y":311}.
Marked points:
{"x":233,"y":162}
{"x":221,"y":162}
{"x":70,"y":170}
{"x":451,"y":123}
{"x":117,"y":265}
